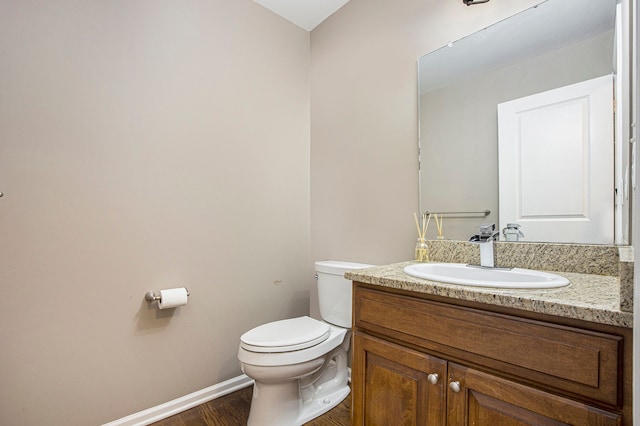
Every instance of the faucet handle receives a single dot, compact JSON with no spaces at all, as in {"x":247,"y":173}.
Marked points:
{"x":487,"y":229}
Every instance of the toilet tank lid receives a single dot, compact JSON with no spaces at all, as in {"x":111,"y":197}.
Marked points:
{"x":339,"y":267}
{"x":286,"y":335}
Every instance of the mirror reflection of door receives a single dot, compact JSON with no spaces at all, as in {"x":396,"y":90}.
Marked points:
{"x":556,"y":159}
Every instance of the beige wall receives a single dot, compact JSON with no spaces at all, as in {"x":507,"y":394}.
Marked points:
{"x":152,"y":144}
{"x":144,"y":145}
{"x":364,"y":149}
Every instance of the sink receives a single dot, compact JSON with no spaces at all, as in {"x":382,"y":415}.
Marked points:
{"x":463,"y":274}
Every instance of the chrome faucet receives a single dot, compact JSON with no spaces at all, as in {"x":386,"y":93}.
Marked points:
{"x":486,"y":240}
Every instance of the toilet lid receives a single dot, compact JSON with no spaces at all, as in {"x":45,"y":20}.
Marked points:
{"x":285,"y":335}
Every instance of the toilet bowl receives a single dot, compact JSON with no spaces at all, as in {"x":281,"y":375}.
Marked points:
{"x":299,"y":365}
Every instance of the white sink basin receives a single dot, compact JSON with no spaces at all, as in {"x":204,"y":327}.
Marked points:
{"x":460,"y":273}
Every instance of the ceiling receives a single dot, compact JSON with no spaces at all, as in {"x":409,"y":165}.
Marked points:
{"x":539,"y":29}
{"x":305,"y":13}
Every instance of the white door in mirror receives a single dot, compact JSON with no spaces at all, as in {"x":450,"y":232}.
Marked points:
{"x":556,"y":163}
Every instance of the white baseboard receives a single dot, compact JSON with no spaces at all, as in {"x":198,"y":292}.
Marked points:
{"x":184,"y":403}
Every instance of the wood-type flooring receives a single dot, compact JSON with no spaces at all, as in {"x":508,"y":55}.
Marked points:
{"x":233,"y":410}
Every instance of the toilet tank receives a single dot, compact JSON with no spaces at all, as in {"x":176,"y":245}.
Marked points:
{"x":334,"y":291}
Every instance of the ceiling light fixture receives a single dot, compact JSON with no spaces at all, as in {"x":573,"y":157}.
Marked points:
{"x":470,"y":2}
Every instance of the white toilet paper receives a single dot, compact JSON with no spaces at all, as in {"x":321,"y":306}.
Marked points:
{"x":172,"y":298}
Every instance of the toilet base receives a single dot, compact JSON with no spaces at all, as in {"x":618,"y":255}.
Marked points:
{"x":296,"y":401}
{"x":314,"y":408}
{"x":285,"y":414}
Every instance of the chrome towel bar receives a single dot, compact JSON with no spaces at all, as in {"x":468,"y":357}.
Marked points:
{"x":483,"y":213}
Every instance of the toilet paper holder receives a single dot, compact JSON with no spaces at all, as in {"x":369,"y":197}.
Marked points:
{"x":150,"y":296}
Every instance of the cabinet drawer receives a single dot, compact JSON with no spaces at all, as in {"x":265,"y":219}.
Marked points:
{"x":570,"y":359}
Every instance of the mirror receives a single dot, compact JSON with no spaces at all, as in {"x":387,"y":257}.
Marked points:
{"x":555,"y":44}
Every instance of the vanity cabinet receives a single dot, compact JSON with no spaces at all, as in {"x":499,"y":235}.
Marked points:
{"x":424,"y":360}
{"x":397,"y":385}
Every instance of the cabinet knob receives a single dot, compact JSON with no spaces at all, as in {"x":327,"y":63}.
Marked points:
{"x":433,"y":378}
{"x":454,"y":386}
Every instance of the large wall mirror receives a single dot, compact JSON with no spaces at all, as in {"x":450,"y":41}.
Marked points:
{"x":496,"y":140}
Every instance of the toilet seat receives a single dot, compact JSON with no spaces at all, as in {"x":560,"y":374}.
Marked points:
{"x":285,"y":336}
{"x":337,"y":335}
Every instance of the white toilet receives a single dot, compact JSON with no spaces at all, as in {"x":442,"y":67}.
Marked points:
{"x":299,"y":365}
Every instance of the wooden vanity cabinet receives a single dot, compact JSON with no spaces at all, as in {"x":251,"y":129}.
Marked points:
{"x":396,"y":385}
{"x":421,"y":361}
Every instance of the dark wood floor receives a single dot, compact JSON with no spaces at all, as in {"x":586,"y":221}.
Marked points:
{"x":233,"y":410}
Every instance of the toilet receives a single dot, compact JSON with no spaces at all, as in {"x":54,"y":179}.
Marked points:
{"x":299,"y":365}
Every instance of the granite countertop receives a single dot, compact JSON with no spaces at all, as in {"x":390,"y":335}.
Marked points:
{"x":588,"y":297}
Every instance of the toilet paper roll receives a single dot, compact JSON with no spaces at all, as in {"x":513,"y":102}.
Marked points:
{"x":172,"y":298}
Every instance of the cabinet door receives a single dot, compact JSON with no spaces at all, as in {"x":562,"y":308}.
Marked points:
{"x":393,"y":385}
{"x":480,"y":399}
